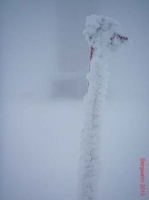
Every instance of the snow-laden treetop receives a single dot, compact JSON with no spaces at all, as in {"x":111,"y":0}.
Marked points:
{"x":103,"y":32}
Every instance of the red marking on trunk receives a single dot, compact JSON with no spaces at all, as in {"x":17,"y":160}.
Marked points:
{"x":91,"y":55}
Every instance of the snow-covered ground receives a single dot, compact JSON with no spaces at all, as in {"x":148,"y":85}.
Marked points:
{"x":41,"y":142}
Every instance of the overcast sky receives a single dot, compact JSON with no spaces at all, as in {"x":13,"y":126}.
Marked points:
{"x":39,"y":37}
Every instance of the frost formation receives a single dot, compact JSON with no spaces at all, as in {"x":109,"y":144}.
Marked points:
{"x":102,"y":34}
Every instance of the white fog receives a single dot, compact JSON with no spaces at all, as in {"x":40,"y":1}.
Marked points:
{"x":44,"y":62}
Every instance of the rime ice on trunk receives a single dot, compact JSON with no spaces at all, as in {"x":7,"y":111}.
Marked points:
{"x":103,"y":36}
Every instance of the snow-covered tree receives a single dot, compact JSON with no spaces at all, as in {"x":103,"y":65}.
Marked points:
{"x":103,"y":36}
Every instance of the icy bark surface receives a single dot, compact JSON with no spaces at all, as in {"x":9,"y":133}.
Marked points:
{"x":100,"y":34}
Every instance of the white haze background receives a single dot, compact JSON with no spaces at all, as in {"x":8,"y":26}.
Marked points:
{"x":40,"y":136}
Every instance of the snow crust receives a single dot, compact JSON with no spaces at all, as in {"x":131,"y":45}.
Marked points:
{"x":101,"y":34}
